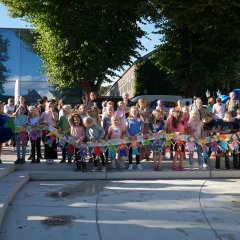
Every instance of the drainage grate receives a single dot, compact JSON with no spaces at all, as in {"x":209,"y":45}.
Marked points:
{"x":58,"y":194}
{"x":58,"y":220}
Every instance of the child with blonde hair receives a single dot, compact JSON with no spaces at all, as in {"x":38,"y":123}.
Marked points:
{"x":157,"y":127}
{"x":121,"y":112}
{"x":83,"y":111}
{"x":115,"y":132}
{"x":77,"y":132}
{"x":134,"y":128}
{"x":95,"y":133}
{"x":64,"y":128}
{"x":34,"y":134}
{"x":195,"y":126}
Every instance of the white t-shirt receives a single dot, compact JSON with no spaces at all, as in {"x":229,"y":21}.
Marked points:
{"x":218,"y":111}
{"x":196,"y":127}
{"x":8,"y":108}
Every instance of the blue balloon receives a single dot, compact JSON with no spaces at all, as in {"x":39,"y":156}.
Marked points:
{"x":237,"y":91}
{"x":7,"y":128}
{"x":224,"y":98}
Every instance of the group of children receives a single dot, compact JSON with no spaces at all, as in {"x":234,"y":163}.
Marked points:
{"x":86,"y":124}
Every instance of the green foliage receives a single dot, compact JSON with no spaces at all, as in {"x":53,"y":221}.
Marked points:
{"x":151,"y":80}
{"x":82,"y":42}
{"x":201,"y":44}
{"x":4,"y":43}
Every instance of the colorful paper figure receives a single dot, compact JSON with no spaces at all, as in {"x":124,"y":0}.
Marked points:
{"x":61,"y":142}
{"x":213,"y":147}
{"x":122,"y":150}
{"x":83,"y":152}
{"x":158,"y":145}
{"x":168,"y":144}
{"x":97,"y":152}
{"x":179,"y":148}
{"x":234,"y":144}
{"x":7,"y":128}
{"x":70,"y":150}
{"x":191,"y":146}
{"x":135,"y":147}
{"x":111,"y":151}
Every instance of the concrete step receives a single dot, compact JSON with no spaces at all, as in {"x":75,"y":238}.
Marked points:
{"x":167,"y":164}
{"x":10,"y":185}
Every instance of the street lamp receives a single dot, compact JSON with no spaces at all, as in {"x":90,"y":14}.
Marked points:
{"x":207,"y":93}
{"x":218,"y":93}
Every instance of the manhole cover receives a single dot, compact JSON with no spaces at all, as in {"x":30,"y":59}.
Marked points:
{"x":58,"y":220}
{"x":58,"y":194}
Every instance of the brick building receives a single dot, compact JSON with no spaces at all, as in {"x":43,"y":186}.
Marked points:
{"x":125,"y":84}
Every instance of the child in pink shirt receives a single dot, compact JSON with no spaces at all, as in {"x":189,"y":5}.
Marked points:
{"x":77,"y":132}
{"x":115,"y":132}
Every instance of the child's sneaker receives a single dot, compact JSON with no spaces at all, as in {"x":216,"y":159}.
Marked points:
{"x":175,"y":168}
{"x":181,"y":168}
{"x":201,"y":168}
{"x":94,"y":169}
{"x":191,"y":168}
{"x":51,"y":161}
{"x":103,"y":169}
{"x":18,"y":161}
{"x":47,"y":161}
{"x":130,"y":167}
{"x":205,"y":166}
{"x":139,"y":167}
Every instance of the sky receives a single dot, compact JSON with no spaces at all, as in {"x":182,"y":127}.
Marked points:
{"x":6,"y":21}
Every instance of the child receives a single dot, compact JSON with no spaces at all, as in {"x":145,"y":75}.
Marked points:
{"x":95,"y":133}
{"x":174,"y":124}
{"x":191,"y":146}
{"x":94,"y":113}
{"x":83,"y":111}
{"x":21,"y":121}
{"x":1,"y":112}
{"x":144,"y":116}
{"x":186,"y":116}
{"x":157,"y":126}
{"x":196,"y":130}
{"x":234,"y":146}
{"x":64,"y":128}
{"x":208,"y":124}
{"x":122,"y":115}
{"x":236,"y":123}
{"x":77,"y":133}
{"x":226,"y":125}
{"x":106,"y":122}
{"x":49,"y":118}
{"x":115,"y":132}
{"x":134,"y":128}
{"x":34,"y":135}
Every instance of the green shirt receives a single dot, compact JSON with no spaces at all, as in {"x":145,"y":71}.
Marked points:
{"x":64,"y":125}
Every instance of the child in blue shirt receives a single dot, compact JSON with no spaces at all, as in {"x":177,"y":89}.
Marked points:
{"x":134,"y":128}
{"x":21,"y":121}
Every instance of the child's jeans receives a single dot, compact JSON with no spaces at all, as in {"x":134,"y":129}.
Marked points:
{"x":36,"y":144}
{"x":200,"y":156}
{"x":18,"y":145}
{"x":130,"y":157}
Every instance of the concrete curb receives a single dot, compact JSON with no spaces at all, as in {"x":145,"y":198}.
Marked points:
{"x":10,"y":185}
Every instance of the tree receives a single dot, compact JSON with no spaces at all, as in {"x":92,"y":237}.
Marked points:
{"x":147,"y":72}
{"x":83,"y":42}
{"x":201,"y":44}
{"x":4,"y":43}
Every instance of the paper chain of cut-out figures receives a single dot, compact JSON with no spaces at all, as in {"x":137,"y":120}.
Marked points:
{"x":211,"y":146}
